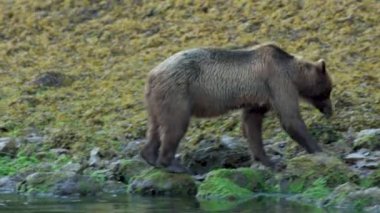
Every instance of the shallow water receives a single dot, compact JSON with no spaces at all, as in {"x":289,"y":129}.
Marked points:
{"x":20,"y":204}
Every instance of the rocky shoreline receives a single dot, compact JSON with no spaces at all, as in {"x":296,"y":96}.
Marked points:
{"x":349,"y":179}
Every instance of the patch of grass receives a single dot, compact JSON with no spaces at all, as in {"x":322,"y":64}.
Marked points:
{"x":222,"y":189}
{"x":9,"y":166}
{"x":318,"y":189}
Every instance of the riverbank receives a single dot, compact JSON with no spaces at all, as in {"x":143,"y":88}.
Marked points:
{"x":223,"y":175}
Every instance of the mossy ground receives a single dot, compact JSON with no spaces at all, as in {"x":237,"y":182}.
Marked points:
{"x":108,"y":47}
{"x":159,"y":182}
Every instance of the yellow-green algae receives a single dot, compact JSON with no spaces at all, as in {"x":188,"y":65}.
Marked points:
{"x":110,"y":46}
{"x":158,"y":182}
{"x":235,"y":184}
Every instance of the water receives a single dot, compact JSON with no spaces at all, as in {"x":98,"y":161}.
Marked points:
{"x":137,"y":204}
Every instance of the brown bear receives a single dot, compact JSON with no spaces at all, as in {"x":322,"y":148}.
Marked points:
{"x":207,"y":82}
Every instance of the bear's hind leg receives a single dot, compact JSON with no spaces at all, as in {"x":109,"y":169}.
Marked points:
{"x":173,"y":125}
{"x":150,"y":151}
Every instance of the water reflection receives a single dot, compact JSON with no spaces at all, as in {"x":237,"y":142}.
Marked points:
{"x":138,"y":204}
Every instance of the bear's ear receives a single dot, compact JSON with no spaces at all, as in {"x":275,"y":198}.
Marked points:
{"x":322,"y":66}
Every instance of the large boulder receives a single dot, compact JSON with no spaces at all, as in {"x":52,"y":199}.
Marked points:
{"x":158,"y":182}
{"x":59,"y":183}
{"x":351,"y":196}
{"x":205,"y":156}
{"x":368,"y":138}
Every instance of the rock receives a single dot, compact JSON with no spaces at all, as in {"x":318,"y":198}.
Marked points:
{"x":363,"y":158}
{"x":95,"y":159}
{"x":72,"y":167}
{"x":41,"y":167}
{"x":371,"y":165}
{"x":42,"y":181}
{"x":114,"y":187}
{"x":372,"y":209}
{"x":339,"y":194}
{"x":229,"y":142}
{"x":353,"y":197}
{"x":209,"y":155}
{"x":304,"y":170}
{"x":369,"y":138}
{"x":8,"y":147}
{"x":132,"y":148}
{"x":372,"y":179}
{"x":8,"y":184}
{"x":34,"y":138}
{"x":63,"y":138}
{"x":353,"y":157}
{"x":158,"y":182}
{"x":77,"y":185}
{"x":59,"y":183}
{"x":51,"y":79}
{"x":42,"y":155}
{"x":324,"y":133}
{"x":123,"y":170}
{"x":234,"y":184}
{"x":59,"y":151}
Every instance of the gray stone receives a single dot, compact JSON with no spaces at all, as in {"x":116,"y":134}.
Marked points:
{"x":132,"y":148}
{"x":60,"y":151}
{"x":72,"y":167}
{"x":77,"y":185}
{"x":208,"y":155}
{"x":34,"y":138}
{"x":353,"y":157}
{"x":8,"y":147}
{"x":95,"y":159}
{"x":352,"y":196}
{"x":8,"y":185}
{"x":368,"y":138}
{"x":371,"y":165}
{"x":157,"y":182}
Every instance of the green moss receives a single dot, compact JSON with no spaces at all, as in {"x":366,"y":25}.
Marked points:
{"x":340,"y":193}
{"x":42,"y":182}
{"x":251,"y":179}
{"x":306,"y":170}
{"x":318,"y":189}
{"x":352,"y":196}
{"x":159,"y":182}
{"x":371,"y":180}
{"x":130,"y":168}
{"x":325,"y":133}
{"x":11,"y":166}
{"x":234,"y":184}
{"x":222,"y":189}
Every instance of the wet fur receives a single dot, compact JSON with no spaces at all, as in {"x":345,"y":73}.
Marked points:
{"x":207,"y":82}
